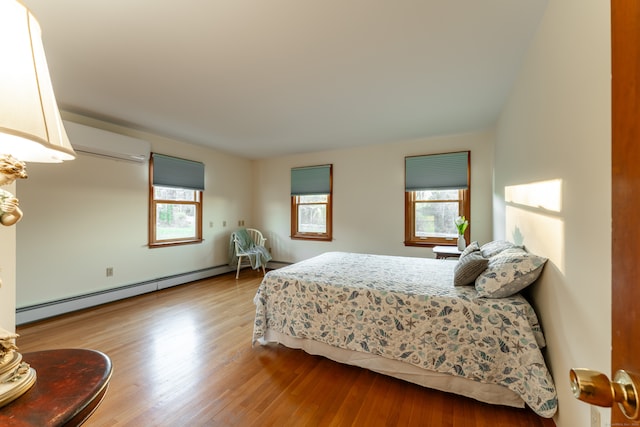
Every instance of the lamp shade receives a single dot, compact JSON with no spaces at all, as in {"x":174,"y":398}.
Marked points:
{"x":30,"y":125}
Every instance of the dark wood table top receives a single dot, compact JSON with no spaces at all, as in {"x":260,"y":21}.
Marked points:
{"x":70,"y":385}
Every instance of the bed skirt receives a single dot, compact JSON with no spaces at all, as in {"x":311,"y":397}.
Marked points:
{"x":488,"y":393}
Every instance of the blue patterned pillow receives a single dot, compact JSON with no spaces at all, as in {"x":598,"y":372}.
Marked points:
{"x":508,"y":273}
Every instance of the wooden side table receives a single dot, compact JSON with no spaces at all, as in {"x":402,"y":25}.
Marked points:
{"x":443,"y":252}
{"x":70,"y":385}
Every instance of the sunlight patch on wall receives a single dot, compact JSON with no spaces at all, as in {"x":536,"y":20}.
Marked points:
{"x":546,"y":195}
{"x":534,"y":219}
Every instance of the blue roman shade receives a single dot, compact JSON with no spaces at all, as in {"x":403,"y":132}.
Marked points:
{"x":179,"y":173}
{"x":449,"y":171}
{"x":311,"y":180}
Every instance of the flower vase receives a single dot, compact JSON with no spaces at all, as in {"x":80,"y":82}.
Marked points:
{"x":462,"y":244}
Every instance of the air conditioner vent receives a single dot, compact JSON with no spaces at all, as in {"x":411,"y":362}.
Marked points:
{"x":103,"y":143}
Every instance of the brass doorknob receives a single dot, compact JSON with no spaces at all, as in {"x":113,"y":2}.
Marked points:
{"x":595,"y":388}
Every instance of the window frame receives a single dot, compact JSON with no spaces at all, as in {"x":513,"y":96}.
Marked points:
{"x":154,"y":242}
{"x":412,"y":240}
{"x":464,"y":208}
{"x":295,"y":203}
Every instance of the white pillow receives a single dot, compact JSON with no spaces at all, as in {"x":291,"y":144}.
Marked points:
{"x":472,"y":247}
{"x":495,"y":247}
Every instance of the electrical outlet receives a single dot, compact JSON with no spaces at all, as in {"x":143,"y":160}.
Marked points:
{"x":595,"y":417}
{"x":210,"y":224}
{"x":224,"y":223}
{"x":109,"y":271}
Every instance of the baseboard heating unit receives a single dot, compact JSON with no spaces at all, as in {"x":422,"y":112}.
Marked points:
{"x":54,"y":308}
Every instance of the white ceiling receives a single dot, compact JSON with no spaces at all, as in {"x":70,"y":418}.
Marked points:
{"x":264,"y":78}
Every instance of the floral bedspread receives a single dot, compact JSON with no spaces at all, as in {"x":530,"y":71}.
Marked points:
{"x":408,"y":309}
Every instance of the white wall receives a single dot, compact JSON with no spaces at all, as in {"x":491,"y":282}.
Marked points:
{"x":368,"y":190}
{"x":553,"y":163}
{"x":91,"y":213}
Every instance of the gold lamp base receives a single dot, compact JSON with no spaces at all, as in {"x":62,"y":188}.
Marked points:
{"x":16,"y":376}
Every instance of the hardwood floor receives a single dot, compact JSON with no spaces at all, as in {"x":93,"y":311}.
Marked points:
{"x":183,"y":357}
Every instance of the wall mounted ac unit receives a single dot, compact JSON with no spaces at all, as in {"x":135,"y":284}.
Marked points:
{"x":103,"y":143}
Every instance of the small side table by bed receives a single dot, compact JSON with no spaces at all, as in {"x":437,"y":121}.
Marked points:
{"x":443,"y":252}
{"x":70,"y":385}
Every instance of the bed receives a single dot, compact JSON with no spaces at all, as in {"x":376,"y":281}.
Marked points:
{"x":403,"y":317}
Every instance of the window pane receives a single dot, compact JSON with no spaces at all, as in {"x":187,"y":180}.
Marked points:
{"x":315,"y":198}
{"x":436,"y":219}
{"x":175,"y":221}
{"x":437,"y":195}
{"x":177,"y":194}
{"x":312,"y":218}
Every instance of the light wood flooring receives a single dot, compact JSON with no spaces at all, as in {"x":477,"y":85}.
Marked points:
{"x":183,"y":357}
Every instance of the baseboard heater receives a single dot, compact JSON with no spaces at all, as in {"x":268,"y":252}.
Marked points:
{"x":54,"y":308}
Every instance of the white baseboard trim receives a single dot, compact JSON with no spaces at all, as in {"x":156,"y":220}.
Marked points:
{"x":67,"y":305}
{"x":54,"y":308}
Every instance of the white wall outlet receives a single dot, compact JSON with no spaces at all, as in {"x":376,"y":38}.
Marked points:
{"x":210,"y":224}
{"x":224,"y":223}
{"x":109,"y":271}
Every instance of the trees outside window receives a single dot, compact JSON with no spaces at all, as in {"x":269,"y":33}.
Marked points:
{"x":430,"y":216}
{"x":177,"y":215}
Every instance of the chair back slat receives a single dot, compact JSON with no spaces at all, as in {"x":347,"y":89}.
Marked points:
{"x":256,"y":236}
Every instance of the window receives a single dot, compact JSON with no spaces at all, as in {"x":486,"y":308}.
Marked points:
{"x":311,"y":209}
{"x":175,"y":198}
{"x":437,"y":189}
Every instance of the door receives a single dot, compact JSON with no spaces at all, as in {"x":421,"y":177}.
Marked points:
{"x":625,"y":288}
